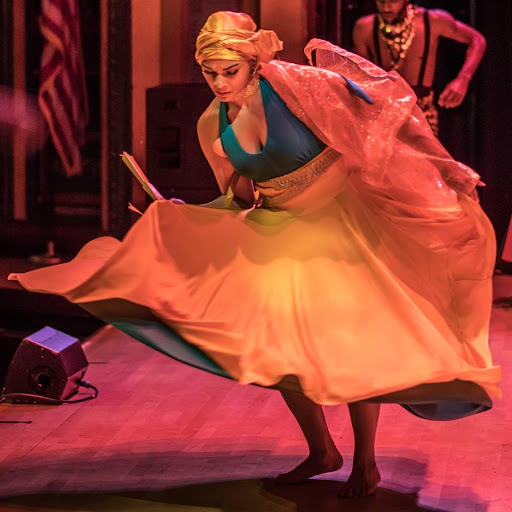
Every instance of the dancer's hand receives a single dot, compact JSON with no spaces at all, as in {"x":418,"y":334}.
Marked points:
{"x":474,"y":192}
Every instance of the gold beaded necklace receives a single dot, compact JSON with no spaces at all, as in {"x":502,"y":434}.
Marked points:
{"x":252,"y":86}
{"x":398,"y":36}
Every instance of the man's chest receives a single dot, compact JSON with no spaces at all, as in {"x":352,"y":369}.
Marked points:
{"x":408,"y":59}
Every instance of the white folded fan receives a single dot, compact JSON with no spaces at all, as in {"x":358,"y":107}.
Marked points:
{"x":135,"y":169}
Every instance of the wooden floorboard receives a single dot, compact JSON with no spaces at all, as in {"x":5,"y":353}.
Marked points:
{"x":164,"y":436}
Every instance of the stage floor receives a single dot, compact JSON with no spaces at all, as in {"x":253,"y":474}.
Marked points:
{"x":165,"y":437}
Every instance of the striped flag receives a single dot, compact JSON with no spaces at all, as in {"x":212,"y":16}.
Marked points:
{"x":62,"y":92}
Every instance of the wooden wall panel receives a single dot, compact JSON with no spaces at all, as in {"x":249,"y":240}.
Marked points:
{"x":6,"y":79}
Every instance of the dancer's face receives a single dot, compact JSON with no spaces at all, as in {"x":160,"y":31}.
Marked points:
{"x":226,"y":78}
{"x":392,"y":11}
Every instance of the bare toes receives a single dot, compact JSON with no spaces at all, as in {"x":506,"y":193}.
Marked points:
{"x":363,"y":481}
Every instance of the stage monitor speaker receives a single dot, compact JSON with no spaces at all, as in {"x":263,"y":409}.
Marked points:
{"x":47,"y":363}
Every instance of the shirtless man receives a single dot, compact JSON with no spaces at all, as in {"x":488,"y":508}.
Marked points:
{"x":404,"y":38}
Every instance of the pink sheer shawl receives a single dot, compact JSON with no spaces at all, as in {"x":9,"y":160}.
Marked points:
{"x":387,"y":144}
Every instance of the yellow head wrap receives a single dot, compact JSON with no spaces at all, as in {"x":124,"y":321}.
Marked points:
{"x":233,"y":36}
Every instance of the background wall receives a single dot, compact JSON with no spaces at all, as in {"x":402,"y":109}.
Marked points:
{"x":290,"y":21}
{"x":146,"y":65}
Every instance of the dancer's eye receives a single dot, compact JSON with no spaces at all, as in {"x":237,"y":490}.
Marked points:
{"x":227,"y":73}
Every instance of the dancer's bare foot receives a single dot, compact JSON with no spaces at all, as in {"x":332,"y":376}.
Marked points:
{"x":313,"y":465}
{"x":362,"y":482}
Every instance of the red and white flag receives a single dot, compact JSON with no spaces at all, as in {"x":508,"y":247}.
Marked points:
{"x":62,"y":92}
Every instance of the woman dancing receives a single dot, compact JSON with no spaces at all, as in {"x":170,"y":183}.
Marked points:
{"x":348,"y":260}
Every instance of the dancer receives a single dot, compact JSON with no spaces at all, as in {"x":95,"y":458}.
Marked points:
{"x":346,"y":262}
{"x":402,"y":37}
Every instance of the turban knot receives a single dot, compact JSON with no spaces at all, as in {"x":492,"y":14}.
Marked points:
{"x":233,"y":36}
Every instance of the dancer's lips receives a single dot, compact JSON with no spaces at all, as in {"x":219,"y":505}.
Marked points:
{"x":221,"y":94}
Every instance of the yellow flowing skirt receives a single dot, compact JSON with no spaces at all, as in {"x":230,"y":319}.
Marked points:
{"x":355,"y":291}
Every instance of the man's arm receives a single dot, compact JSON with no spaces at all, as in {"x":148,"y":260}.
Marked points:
{"x":360,"y":35}
{"x":447,"y":26}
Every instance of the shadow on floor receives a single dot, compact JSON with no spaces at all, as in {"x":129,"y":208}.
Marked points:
{"x":143,"y":476}
{"x":254,"y":495}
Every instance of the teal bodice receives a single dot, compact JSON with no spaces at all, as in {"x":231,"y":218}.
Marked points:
{"x":290,"y":144}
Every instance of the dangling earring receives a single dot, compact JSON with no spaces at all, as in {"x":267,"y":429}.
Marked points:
{"x":252,"y":86}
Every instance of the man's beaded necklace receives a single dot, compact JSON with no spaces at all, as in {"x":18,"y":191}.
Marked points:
{"x":398,"y":36}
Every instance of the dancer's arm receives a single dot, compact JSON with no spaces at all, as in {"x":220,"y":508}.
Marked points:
{"x":227,"y":178}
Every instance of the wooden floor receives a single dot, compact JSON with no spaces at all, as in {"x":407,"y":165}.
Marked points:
{"x":165,"y":437}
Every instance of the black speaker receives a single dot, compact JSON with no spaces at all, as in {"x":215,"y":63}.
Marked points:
{"x":175,"y":162}
{"x":47,"y":363}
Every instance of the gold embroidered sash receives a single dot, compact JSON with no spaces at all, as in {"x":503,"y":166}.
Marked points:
{"x":275,"y":191}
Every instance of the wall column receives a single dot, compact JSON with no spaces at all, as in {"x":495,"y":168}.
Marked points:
{"x":290,"y":21}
